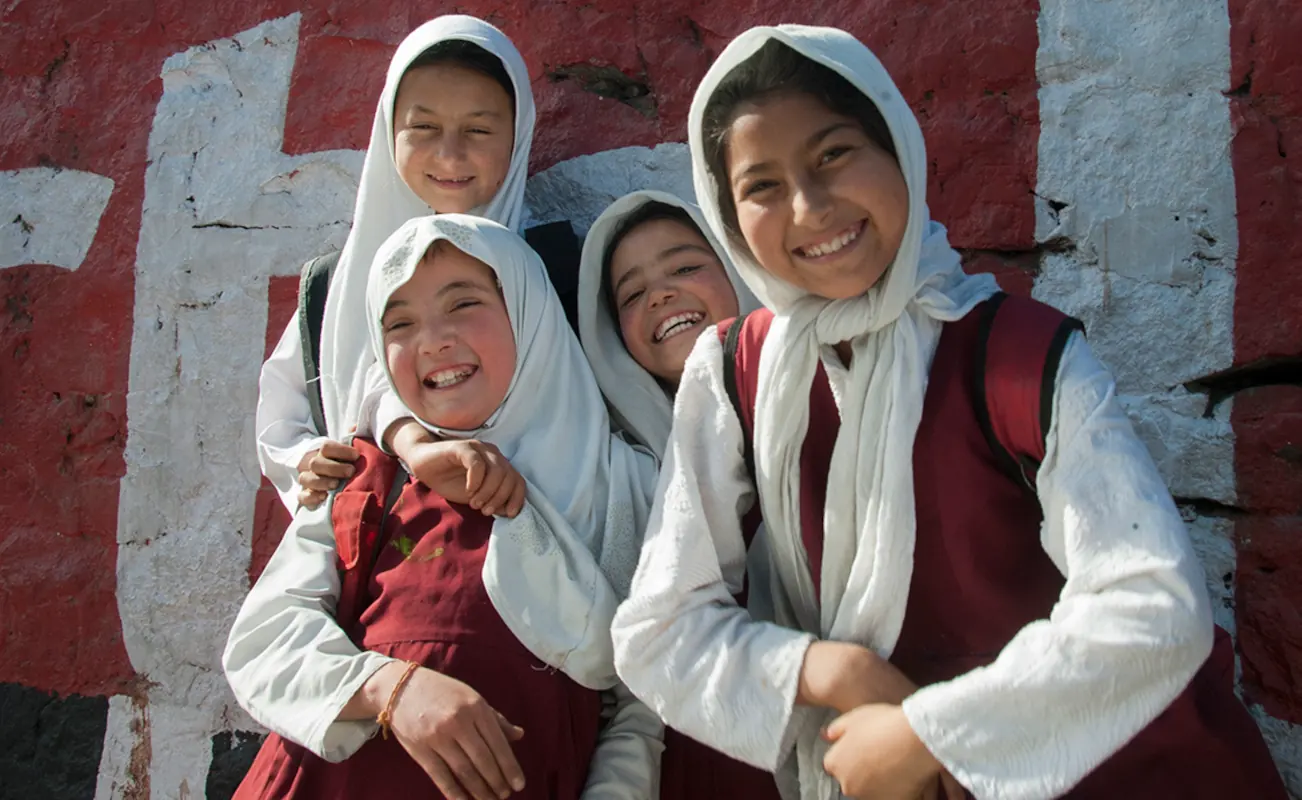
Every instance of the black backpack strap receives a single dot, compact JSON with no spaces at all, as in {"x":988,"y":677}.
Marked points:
{"x":734,"y":391}
{"x":313,"y":287}
{"x":560,"y":250}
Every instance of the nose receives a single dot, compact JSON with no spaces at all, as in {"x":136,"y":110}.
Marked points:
{"x":661,"y":293}
{"x":436,"y":338}
{"x":811,"y":203}
{"x":451,"y":147}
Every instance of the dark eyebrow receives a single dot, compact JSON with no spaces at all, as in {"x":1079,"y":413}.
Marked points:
{"x":457,"y":285}
{"x":420,"y":109}
{"x":685,"y":246}
{"x":391,"y":305}
{"x":813,"y":141}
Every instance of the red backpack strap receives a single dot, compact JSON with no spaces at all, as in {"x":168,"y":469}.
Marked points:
{"x":1019,"y":347}
{"x":743,"y":339}
{"x":358,"y":511}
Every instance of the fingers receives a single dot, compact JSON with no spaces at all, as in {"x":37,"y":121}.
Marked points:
{"x":495,"y":730}
{"x":513,"y":732}
{"x":836,"y":729}
{"x":326,"y":468}
{"x":308,"y":498}
{"x":476,"y":467}
{"x":473,"y":765}
{"x":516,"y":503}
{"x":953,"y":790}
{"x":500,"y":502}
{"x":493,"y":477}
{"x":337,"y":451}
{"x":437,"y":769}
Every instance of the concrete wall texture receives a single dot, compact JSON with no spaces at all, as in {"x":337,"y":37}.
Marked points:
{"x":166,"y":166}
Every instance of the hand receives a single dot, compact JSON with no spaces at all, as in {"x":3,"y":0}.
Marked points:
{"x":468,"y":471}
{"x":320,"y":471}
{"x":844,"y":676}
{"x":447,"y":728}
{"x":876,"y":754}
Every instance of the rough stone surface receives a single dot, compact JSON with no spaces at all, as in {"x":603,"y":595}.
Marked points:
{"x":49,"y":216}
{"x":232,"y":755}
{"x":1268,"y":421}
{"x":1099,"y":165}
{"x":1269,"y":612}
{"x":49,"y":745}
{"x":1266,"y":98}
{"x":1213,"y":541}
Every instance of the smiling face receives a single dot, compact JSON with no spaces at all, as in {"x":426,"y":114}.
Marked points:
{"x":454,"y":129}
{"x":448,"y":341}
{"x":819,"y":203}
{"x":668,"y":285}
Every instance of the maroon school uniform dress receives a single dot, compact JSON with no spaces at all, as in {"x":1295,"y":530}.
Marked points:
{"x":980,"y":574}
{"x":425,"y":601}
{"x":690,"y":770}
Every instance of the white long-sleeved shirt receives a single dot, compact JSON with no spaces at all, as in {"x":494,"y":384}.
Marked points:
{"x":294,"y":669}
{"x":283,"y":420}
{"x":1131,"y":627}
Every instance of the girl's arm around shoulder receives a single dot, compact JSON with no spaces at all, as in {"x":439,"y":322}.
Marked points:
{"x":288,"y":662}
{"x":1129,"y":630}
{"x":626,"y":764}
{"x":284,"y":417}
{"x":682,"y":644}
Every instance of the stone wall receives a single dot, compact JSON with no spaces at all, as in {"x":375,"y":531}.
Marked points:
{"x":166,"y":167}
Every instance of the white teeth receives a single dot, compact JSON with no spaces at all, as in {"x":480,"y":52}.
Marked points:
{"x":677,"y":324}
{"x":449,"y":377}
{"x":826,"y":248}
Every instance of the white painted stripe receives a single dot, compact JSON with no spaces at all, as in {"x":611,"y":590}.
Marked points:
{"x":50,"y":216}
{"x":1134,"y":170}
{"x":224,"y":209}
{"x":126,"y":725}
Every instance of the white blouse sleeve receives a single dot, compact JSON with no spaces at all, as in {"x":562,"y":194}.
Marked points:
{"x":626,"y":764}
{"x":381,"y":407}
{"x":284,"y":416}
{"x":288,"y":662}
{"x":681,"y":642}
{"x":1131,"y":627}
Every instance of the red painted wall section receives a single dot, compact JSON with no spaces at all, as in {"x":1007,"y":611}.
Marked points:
{"x":78,"y":89}
{"x":1266,"y":109}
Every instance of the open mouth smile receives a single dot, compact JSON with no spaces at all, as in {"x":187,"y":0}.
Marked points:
{"x":678,"y":323}
{"x":833,"y":245}
{"x":451,"y":183}
{"x":447,"y":378}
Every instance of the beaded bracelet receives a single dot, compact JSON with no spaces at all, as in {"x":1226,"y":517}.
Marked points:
{"x":386,"y":716}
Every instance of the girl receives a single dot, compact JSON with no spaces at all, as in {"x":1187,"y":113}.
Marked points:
{"x":452,"y":133}
{"x":457,"y":634}
{"x":1058,"y":637}
{"x":649,"y":263}
{"x":651,"y":279}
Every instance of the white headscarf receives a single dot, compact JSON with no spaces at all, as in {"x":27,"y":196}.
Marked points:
{"x":384,"y":202}
{"x":556,"y":572}
{"x":638,"y":402}
{"x":869,"y":518}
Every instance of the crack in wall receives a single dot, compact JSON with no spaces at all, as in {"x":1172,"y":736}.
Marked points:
{"x":1219,"y":386}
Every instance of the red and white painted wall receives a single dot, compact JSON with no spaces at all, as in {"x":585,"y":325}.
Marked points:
{"x":166,"y":166}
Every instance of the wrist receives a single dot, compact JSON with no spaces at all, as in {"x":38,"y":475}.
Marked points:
{"x":378,"y":688}
{"x":831,"y":673}
{"x":400,"y":436}
{"x":919,"y":756}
